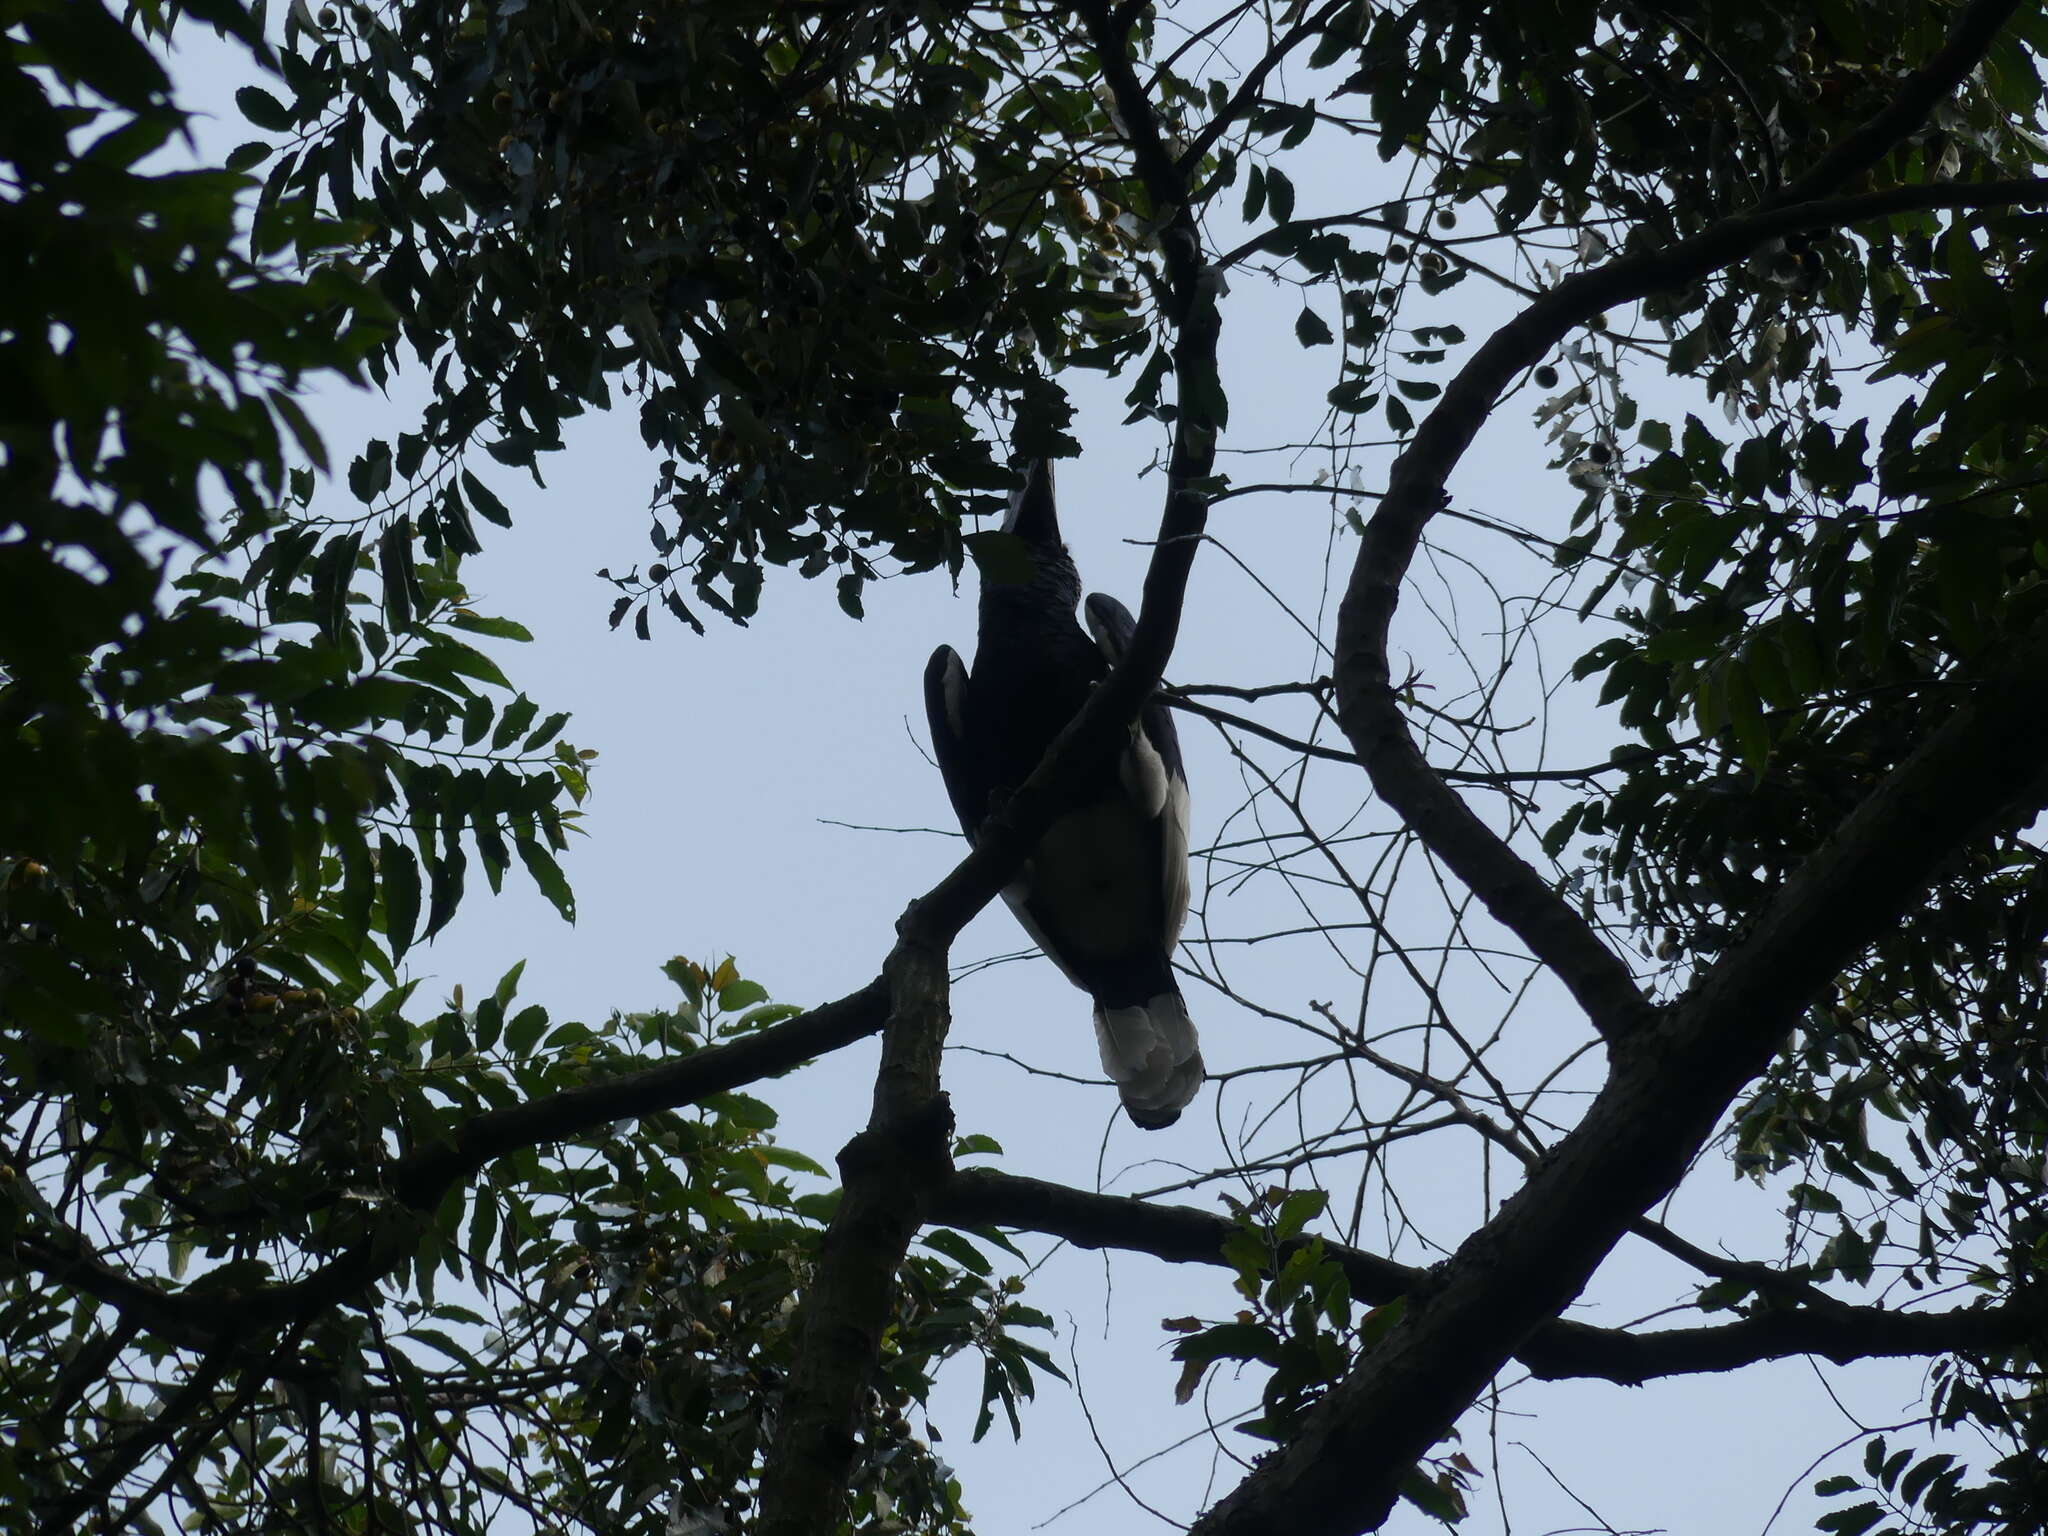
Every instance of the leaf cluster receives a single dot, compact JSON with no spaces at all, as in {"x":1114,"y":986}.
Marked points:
{"x":252,"y":751}
{"x":1300,"y":1323}
{"x":820,"y":268}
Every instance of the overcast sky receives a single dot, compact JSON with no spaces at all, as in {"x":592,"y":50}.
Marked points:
{"x":727,"y":759}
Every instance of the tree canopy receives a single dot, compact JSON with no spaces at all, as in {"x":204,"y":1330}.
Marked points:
{"x":288,"y":1248}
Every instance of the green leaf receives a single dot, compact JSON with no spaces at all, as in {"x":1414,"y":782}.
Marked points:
{"x":742,"y":1110}
{"x":517,"y":717}
{"x":464,"y":661}
{"x":788,"y":1157}
{"x":1311,"y":330}
{"x":959,"y":1250}
{"x":1297,"y":1211}
{"x":741,"y":994}
{"x":1852,"y":1521}
{"x":1254,"y":194}
{"x":546,"y":732}
{"x":547,"y":875}
{"x":399,"y":876}
{"x":1279,"y":195}
{"x":497,"y":629}
{"x":1916,"y":1482}
{"x":525,"y":1029}
{"x":481,"y":497}
{"x":369,"y":475}
{"x":394,"y":559}
{"x":508,"y":985}
{"x":483,"y":1224}
{"x":263,"y":109}
{"x":1433,"y":1498}
{"x":1811,"y":1197}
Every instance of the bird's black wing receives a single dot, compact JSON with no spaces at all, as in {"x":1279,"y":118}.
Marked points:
{"x":945,"y":705}
{"x":1151,"y":768}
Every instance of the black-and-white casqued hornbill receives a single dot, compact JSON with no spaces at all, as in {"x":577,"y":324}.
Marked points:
{"x":1106,"y":890}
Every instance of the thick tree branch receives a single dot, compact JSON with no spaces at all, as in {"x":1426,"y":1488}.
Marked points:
{"x":66,"y":1258}
{"x":1556,"y":1350}
{"x":888,"y":1173}
{"x":1842,"y":1334}
{"x":1511,"y":890}
{"x":421,"y":1178}
{"x":126,"y":1449}
{"x":1367,"y":706}
{"x":1976,"y":28}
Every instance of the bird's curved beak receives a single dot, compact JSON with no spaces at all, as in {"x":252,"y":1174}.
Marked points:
{"x":1032,"y":515}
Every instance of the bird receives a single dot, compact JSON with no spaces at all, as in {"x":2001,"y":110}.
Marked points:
{"x":1105,"y":892}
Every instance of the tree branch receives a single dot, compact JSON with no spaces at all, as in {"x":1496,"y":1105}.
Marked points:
{"x":1668,"y":1090}
{"x":1976,"y":28}
{"x":1367,"y":706}
{"x":891,"y":1169}
{"x":888,"y":1173}
{"x":1247,"y":92}
{"x":421,"y":1178}
{"x":124,"y":1452}
{"x":1556,"y":1350}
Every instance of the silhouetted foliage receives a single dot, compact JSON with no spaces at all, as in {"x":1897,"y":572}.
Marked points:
{"x":286,"y":1252}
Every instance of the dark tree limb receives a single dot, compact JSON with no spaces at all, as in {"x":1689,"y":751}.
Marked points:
{"x":421,"y":1178}
{"x":1555,"y":1350}
{"x":1367,"y":705}
{"x":1968,"y":41}
{"x":888,"y":1173}
{"x":124,"y":1451}
{"x":1515,"y":893}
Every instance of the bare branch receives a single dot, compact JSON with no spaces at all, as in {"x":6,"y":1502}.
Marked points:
{"x":1247,"y":94}
{"x":1367,"y":704}
{"x":1555,"y":1351}
{"x":888,"y":1173}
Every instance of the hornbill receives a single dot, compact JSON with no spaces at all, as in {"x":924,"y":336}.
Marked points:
{"x":1105,"y":892}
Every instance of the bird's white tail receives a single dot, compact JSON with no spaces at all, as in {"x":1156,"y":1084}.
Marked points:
{"x":1151,"y":1054}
